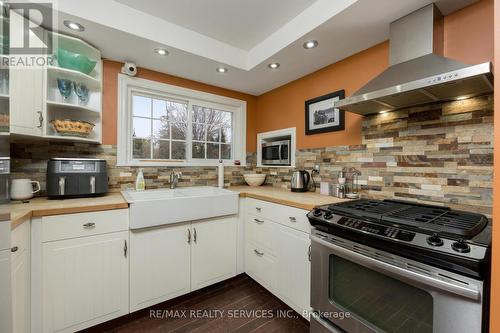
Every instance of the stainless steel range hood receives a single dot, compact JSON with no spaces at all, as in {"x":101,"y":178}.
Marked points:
{"x":418,"y":73}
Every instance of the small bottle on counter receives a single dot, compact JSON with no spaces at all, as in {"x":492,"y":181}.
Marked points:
{"x":140,"y":184}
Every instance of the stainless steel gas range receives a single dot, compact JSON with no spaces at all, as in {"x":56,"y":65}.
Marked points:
{"x":393,"y":266}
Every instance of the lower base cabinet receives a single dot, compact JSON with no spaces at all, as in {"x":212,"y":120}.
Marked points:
{"x":277,"y":252}
{"x":159,"y":265}
{"x":170,"y":261}
{"x":85,"y":281}
{"x":5,"y":291}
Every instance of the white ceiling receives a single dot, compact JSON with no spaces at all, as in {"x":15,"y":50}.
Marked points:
{"x":250,"y":22}
{"x":342,"y":27}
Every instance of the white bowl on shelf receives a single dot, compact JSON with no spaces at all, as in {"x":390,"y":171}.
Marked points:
{"x":255,"y":179}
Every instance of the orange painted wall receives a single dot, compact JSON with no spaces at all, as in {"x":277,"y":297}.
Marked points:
{"x":495,"y":274}
{"x":110,"y":95}
{"x":468,"y":37}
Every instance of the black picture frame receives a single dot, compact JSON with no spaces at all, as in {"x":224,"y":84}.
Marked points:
{"x":319,"y":126}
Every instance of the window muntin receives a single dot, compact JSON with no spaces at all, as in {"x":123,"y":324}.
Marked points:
{"x":159,"y":128}
{"x":211,"y":133}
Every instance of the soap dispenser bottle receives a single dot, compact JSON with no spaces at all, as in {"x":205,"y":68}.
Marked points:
{"x":140,"y":184}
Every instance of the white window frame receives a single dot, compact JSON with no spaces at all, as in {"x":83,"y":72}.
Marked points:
{"x":127,"y":86}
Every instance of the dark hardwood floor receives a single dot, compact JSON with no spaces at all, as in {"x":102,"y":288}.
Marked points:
{"x":238,"y":305}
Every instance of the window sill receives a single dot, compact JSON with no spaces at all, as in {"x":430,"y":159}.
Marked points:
{"x":178,"y":164}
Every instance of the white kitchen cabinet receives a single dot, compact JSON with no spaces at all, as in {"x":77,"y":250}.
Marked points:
{"x":293,"y":267}
{"x":213,"y":254}
{"x":159,"y":265}
{"x":85,"y":281}
{"x":26,"y":101}
{"x":5,"y":291}
{"x":20,"y":273}
{"x":173,"y":260}
{"x":277,"y":248}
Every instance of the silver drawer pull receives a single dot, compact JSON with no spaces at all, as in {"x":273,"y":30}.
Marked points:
{"x":258,"y":209}
{"x":257,"y":252}
{"x":258,"y":221}
{"x":293,"y":219}
{"x":14,"y":249}
{"x":90,"y":225}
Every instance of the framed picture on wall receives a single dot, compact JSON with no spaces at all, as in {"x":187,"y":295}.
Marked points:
{"x":322,"y":117}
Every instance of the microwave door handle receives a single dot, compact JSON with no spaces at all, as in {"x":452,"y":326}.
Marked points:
{"x":92,"y":184}
{"x":398,"y":272}
{"x":62,"y":185}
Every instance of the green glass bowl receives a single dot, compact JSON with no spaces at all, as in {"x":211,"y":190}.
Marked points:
{"x":75,"y":61}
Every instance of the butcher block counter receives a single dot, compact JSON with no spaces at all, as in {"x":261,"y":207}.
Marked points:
{"x":302,"y":200}
{"x":21,"y":212}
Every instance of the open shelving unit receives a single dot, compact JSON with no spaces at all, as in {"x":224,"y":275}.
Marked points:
{"x":57,"y":107}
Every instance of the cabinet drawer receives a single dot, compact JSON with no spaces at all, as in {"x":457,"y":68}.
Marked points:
{"x":290,"y":216}
{"x":260,"y":265}
{"x":295,"y":218}
{"x":20,"y":239}
{"x":259,"y":230}
{"x":83,"y":224}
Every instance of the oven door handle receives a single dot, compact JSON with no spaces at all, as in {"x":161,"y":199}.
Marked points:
{"x":399,"y":273}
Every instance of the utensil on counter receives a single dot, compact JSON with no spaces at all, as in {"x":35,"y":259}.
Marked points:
{"x":23,"y":189}
{"x":255,"y":179}
{"x":300,"y":181}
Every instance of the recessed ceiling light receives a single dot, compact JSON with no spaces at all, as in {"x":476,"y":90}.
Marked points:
{"x":162,"y":52}
{"x":311,"y":44}
{"x":74,"y":26}
{"x":273,"y":65}
{"x":221,"y":70}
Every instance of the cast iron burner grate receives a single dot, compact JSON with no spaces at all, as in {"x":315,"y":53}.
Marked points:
{"x":418,"y":217}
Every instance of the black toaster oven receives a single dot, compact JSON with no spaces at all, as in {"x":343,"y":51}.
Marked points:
{"x":76,"y":177}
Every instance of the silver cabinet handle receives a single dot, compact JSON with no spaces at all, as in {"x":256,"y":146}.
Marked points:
{"x":92,"y":184}
{"x":125,"y":249}
{"x":62,"y":185}
{"x":90,"y":225}
{"x":257,"y":252}
{"x":189,"y":236}
{"x":14,"y":249}
{"x":309,"y":253}
{"x":194,"y":236}
{"x":258,"y":209}
{"x":258,"y":221}
{"x":293,"y":219}
{"x":40,"y":119}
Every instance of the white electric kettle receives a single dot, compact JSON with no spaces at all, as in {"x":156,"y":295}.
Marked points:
{"x":23,"y":189}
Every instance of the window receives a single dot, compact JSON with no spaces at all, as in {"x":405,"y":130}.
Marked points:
{"x":160,"y":124}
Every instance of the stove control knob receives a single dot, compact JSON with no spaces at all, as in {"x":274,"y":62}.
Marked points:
{"x":317,"y":212}
{"x":461,"y":246}
{"x":328,"y":215}
{"x":435,"y":240}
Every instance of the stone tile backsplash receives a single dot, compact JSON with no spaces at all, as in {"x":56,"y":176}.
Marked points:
{"x":438,"y":154}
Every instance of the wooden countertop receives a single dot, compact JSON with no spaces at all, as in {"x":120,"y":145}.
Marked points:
{"x":21,"y":212}
{"x":306,"y":200}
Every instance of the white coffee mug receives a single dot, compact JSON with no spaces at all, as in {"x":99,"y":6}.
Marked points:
{"x":23,"y":189}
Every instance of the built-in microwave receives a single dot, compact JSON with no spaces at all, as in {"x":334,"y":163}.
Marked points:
{"x":276,"y":153}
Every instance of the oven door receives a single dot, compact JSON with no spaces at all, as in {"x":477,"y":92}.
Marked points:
{"x":360,"y":289}
{"x":276,"y":153}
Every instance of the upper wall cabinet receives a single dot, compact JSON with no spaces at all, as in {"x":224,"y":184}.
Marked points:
{"x":63,"y":99}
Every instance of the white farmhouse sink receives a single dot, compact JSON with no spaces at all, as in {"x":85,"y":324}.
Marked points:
{"x":165,"y":206}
